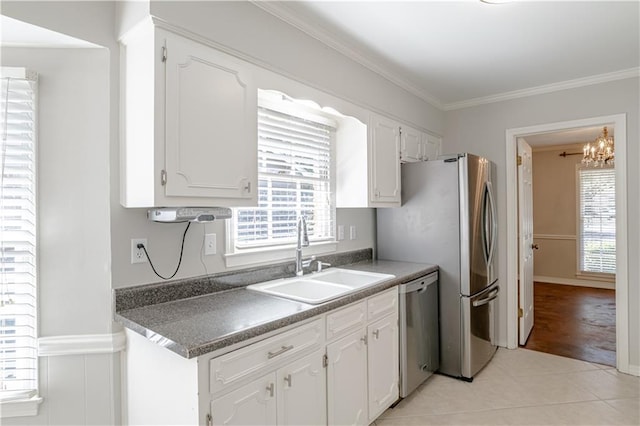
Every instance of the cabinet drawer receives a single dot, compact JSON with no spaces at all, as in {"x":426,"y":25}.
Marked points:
{"x":382,"y":304}
{"x":239,"y":364}
{"x":347,"y":319}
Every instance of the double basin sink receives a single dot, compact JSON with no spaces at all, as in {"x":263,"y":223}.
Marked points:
{"x":320,"y":287}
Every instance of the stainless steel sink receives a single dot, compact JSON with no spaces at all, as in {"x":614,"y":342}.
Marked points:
{"x":320,"y":287}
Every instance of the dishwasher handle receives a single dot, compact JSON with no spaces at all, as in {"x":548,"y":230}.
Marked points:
{"x":419,"y":285}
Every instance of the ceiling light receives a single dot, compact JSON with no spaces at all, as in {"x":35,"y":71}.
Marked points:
{"x":599,"y":152}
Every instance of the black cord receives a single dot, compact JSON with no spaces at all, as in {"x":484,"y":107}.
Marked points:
{"x":141,"y":246}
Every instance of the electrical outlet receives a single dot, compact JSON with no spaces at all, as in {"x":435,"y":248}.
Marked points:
{"x":352,"y":232}
{"x":137,"y":254}
{"x":340,"y":232}
{"x":209,"y":244}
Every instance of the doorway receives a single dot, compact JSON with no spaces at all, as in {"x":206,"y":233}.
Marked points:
{"x":572,"y":287}
{"x":619,"y":123}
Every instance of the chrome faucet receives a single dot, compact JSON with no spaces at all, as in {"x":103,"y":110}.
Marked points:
{"x":303,"y":241}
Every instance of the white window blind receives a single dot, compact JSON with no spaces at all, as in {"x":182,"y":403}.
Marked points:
{"x":18,"y":345}
{"x":294,"y":178}
{"x":597,"y":210}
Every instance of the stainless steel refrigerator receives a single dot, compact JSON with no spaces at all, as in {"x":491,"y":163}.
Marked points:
{"x":448,"y":217}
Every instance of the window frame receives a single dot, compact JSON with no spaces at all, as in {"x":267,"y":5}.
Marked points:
{"x":20,"y":403}
{"x":236,"y":255}
{"x":580,"y":270}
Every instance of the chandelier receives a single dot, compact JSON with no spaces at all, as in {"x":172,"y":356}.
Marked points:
{"x":599,"y":152}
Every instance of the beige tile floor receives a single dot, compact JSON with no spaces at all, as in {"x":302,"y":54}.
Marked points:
{"x":523,"y":387}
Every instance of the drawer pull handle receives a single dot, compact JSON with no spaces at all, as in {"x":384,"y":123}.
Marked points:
{"x":271,"y":389}
{"x":376,"y":334}
{"x":280,"y":352}
{"x":288,"y":379}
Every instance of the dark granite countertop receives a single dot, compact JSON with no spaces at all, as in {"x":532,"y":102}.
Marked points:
{"x":198,"y":325}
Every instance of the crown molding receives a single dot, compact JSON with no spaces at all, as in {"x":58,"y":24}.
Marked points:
{"x":282,"y":12}
{"x":547,"y":88}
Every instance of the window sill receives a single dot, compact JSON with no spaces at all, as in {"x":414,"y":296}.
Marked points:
{"x":608,"y":278}
{"x":20,"y":407}
{"x":269,"y":255}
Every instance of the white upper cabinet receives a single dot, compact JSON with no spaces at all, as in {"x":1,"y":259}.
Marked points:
{"x":384,"y":140}
{"x":431,"y":147}
{"x":418,"y":146}
{"x":411,"y":144}
{"x":190,"y":124}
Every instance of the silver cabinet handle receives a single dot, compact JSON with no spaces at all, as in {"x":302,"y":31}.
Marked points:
{"x":376,"y":334}
{"x":364,"y":339}
{"x":271,"y":389}
{"x":280,"y":352}
{"x":287,"y":379}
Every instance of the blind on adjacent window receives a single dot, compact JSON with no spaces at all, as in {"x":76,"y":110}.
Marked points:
{"x":597,"y":193}
{"x":294,"y":178}
{"x":18,"y":345}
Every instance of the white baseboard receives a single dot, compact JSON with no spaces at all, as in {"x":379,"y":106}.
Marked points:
{"x":575,"y":282}
{"x":81,"y":344}
{"x":634,"y":370}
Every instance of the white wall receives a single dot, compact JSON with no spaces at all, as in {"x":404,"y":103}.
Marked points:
{"x":481,"y":130}
{"x":74,"y":230}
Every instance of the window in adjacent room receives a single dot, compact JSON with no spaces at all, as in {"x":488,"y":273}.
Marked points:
{"x":18,"y":273}
{"x":295,"y":177}
{"x":597,"y":220}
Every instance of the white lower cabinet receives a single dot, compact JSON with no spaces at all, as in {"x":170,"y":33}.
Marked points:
{"x":382,"y":364}
{"x":292,"y":395}
{"x":347,"y":380}
{"x":339,"y":368}
{"x":301,"y":392}
{"x":252,"y":404}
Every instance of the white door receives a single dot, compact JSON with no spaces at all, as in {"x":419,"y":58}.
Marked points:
{"x":211,"y":137}
{"x":525,"y":237}
{"x":347,"y":380}
{"x":383,"y":364}
{"x":252,"y":404}
{"x":302,"y":389}
{"x":384,"y":139}
{"x":411,"y":144}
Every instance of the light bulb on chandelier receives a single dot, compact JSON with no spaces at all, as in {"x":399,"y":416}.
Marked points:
{"x":600,"y":152}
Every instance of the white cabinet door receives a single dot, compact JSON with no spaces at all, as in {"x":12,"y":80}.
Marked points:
{"x":384,"y":139}
{"x":431,"y":146}
{"x":211,"y":124}
{"x":411,"y":144}
{"x":252,"y":404}
{"x":347,"y":380}
{"x":302,"y":392}
{"x":383,"y":365}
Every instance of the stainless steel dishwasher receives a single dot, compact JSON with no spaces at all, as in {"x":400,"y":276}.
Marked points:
{"x":419,"y":332}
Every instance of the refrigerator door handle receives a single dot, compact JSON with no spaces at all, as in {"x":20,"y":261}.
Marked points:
{"x":492,"y":296}
{"x":494,"y":223}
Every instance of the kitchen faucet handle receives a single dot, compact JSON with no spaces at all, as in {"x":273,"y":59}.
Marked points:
{"x":307,"y":262}
{"x":321,"y":265}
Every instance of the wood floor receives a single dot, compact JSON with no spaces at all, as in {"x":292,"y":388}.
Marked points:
{"x":576,"y":322}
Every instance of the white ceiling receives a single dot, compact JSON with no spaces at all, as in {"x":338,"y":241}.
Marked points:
{"x":460,"y":53}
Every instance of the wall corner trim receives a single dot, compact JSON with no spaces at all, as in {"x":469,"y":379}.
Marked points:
{"x":82,"y":344}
